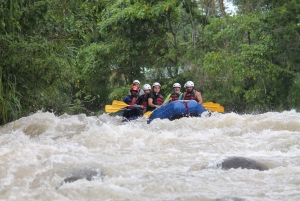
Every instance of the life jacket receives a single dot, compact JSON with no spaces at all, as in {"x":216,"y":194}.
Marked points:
{"x":145,"y":100}
{"x":175,"y":96}
{"x":133,"y":100}
{"x":190,"y":95}
{"x":130,"y":100}
{"x":159,"y":99}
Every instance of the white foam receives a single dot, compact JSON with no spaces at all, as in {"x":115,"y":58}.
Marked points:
{"x":164,"y":160}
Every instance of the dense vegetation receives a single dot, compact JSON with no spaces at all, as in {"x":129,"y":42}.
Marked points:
{"x":75,"y":56}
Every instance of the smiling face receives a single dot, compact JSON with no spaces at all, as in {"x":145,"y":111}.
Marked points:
{"x":176,"y":89}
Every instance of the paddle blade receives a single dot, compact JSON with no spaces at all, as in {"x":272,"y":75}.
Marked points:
{"x":214,"y":107}
{"x":111,"y":109}
{"x":119,"y":104}
{"x":221,"y":109}
{"x":210,"y":104}
{"x":147,"y":114}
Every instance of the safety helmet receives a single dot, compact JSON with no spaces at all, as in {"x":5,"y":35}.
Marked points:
{"x":156,"y":84}
{"x":189,"y":84}
{"x":136,"y":81}
{"x":134,"y":88}
{"x":184,"y":85}
{"x":147,"y":87}
{"x":176,"y":85}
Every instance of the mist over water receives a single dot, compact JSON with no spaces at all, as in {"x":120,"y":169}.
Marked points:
{"x":164,"y":160}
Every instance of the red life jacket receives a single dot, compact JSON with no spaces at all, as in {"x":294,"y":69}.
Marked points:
{"x":190,"y":95}
{"x":159,"y":100}
{"x":145,"y":100}
{"x":174,"y":96}
{"x":133,"y":100}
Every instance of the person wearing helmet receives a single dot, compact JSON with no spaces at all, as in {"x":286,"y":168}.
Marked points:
{"x":131,"y":100}
{"x":142,"y":100}
{"x":137,"y":84}
{"x":176,"y":95}
{"x":192,"y":94}
{"x":184,"y":87}
{"x":155,"y":99}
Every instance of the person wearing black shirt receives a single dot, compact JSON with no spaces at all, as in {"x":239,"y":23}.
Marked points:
{"x":143,"y":99}
{"x":155,"y":99}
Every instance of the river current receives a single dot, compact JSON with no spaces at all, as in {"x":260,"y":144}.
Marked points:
{"x":164,"y":160}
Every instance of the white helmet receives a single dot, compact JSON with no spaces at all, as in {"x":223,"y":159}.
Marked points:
{"x":156,"y":84}
{"x":147,"y":87}
{"x":184,"y":85}
{"x":189,"y":84}
{"x":136,"y":81}
{"x":176,"y":85}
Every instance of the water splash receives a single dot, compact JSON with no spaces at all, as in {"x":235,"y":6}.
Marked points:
{"x":164,"y":160}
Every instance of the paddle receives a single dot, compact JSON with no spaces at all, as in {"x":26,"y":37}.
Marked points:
{"x":117,"y":106}
{"x":121,"y":104}
{"x":115,"y":111}
{"x":214,"y":107}
{"x":111,"y":109}
{"x":167,"y":99}
{"x":147,"y":114}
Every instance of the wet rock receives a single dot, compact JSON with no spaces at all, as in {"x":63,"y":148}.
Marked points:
{"x":243,"y":163}
{"x":86,"y":173}
{"x":230,"y":199}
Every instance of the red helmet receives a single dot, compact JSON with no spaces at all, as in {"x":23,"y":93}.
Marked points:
{"x":134,"y":88}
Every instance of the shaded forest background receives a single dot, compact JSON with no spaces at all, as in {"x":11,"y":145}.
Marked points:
{"x":76,"y":56}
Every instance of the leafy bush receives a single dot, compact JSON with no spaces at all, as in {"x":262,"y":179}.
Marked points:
{"x":119,"y":93}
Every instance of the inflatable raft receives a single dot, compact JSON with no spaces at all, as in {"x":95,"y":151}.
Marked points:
{"x":178,"y":109}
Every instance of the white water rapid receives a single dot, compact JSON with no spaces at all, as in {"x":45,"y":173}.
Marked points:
{"x":164,"y":160}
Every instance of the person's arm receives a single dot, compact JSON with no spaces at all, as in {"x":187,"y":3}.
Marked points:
{"x":183,"y":97}
{"x":141,"y":92}
{"x":199,"y":97}
{"x":139,"y":102}
{"x":150,"y":103}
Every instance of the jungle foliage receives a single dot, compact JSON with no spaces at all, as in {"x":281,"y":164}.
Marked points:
{"x":76,"y":56}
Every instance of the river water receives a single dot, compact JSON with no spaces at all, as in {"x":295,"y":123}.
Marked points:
{"x":164,"y":160}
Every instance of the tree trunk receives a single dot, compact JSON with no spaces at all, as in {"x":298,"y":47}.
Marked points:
{"x":222,"y":8}
{"x":193,"y":25}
